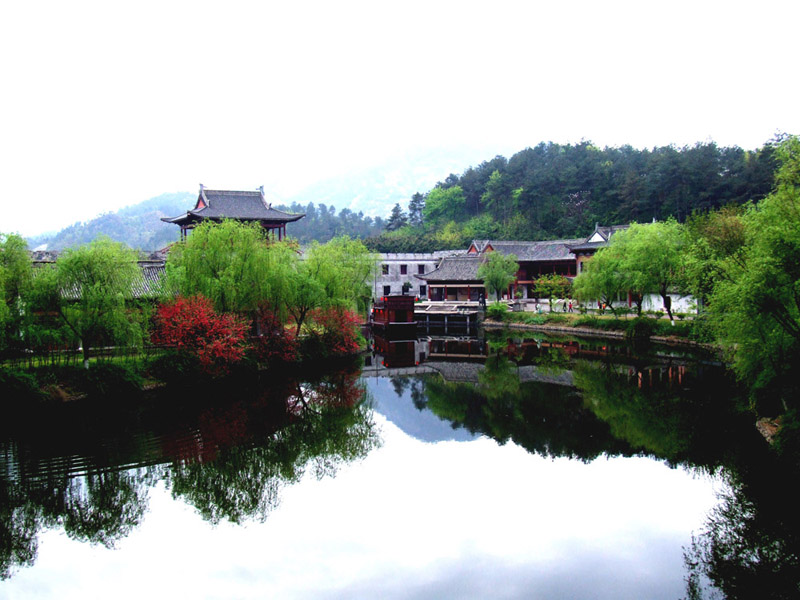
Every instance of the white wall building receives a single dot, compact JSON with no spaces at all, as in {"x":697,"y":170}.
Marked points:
{"x":401,"y":268}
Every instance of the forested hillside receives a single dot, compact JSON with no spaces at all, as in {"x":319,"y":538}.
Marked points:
{"x":553,"y":191}
{"x":322,"y":223}
{"x":545,"y":192}
{"x":139,"y":225}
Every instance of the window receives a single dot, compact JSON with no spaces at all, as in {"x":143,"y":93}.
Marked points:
{"x":423,"y":291}
{"x":387,"y":289}
{"x":385,"y":269}
{"x":421,"y":269}
{"x":403,"y":269}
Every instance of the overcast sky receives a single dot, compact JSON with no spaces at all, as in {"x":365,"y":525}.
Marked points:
{"x":105,"y":104}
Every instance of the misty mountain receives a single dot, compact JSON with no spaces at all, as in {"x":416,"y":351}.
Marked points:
{"x":138,"y":225}
{"x":365,"y":193}
{"x":375,"y":190}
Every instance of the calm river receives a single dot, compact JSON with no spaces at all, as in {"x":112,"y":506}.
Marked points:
{"x":445,"y":468}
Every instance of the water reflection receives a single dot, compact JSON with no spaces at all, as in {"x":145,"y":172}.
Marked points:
{"x":581,"y":400}
{"x":512,"y":466}
{"x":88,"y":472}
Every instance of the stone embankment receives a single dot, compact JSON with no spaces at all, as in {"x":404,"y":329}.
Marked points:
{"x":600,"y":333}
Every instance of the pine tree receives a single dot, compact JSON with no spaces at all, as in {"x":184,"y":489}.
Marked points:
{"x":415,"y":209}
{"x":397,"y":219}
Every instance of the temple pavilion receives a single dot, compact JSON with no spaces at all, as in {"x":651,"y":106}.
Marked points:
{"x":246,"y":206}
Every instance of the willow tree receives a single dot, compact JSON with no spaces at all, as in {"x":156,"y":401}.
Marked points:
{"x":601,"y":279}
{"x":641,"y":259}
{"x":652,"y":258}
{"x":498,"y":272}
{"x":15,"y":278}
{"x":344,"y":268}
{"x":232,"y":264}
{"x":90,"y":288}
{"x":755,"y":305}
{"x":337,"y":273}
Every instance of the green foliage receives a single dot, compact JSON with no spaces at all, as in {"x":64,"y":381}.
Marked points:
{"x":322,"y":223}
{"x":528,"y":318}
{"x":397,"y":219}
{"x":15,"y":279}
{"x":498,"y":271}
{"x":90,"y":289}
{"x":652,"y":257}
{"x":405,"y":239}
{"x":713,"y":239}
{"x":589,"y":321}
{"x":444,"y":204}
{"x":344,"y":269}
{"x":556,"y":191}
{"x":415,"y":208}
{"x":552,"y":286}
{"x":18,"y":389}
{"x":602,"y":278}
{"x":230,"y":263}
{"x":641,"y":259}
{"x":482,"y":227}
{"x":240,"y":271}
{"x":754,"y":307}
{"x":497,"y":311}
{"x":556,"y":318}
{"x":641,"y":328}
{"x":109,"y":381}
{"x":176,"y":368}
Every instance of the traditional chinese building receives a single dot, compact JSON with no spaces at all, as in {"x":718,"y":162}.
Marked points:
{"x":245,"y":206}
{"x":456,"y":278}
{"x":599,"y":238}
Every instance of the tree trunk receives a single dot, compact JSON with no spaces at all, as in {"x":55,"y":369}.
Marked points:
{"x":667,"y":303}
{"x":85,"y":350}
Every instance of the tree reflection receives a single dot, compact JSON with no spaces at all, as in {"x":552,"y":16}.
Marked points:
{"x":750,"y":546}
{"x":686,"y":414}
{"x":543,"y":417}
{"x":327,"y":424}
{"x":100,"y":507}
{"x":228,"y":460}
{"x":19,"y":524}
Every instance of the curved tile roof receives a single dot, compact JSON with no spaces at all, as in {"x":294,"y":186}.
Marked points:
{"x":530,"y":251}
{"x":455,"y":268}
{"x":233,"y":204}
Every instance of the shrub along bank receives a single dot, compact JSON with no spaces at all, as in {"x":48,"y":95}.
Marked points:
{"x":197,"y":346}
{"x":691,"y":330}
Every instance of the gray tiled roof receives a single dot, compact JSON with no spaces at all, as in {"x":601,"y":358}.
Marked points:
{"x":531,"y":251}
{"x":233,"y":204}
{"x":470,"y":372}
{"x":150,"y":283}
{"x":605,"y":232}
{"x":455,"y":268}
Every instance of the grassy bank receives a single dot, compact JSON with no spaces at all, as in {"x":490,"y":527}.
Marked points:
{"x":646,"y":327}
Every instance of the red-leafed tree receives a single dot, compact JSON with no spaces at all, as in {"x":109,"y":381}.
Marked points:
{"x":192,"y":325}
{"x":276,"y":344}
{"x":339,"y":336}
